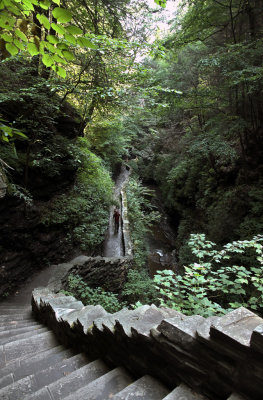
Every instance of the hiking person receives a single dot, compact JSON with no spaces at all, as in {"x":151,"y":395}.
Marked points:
{"x":116,"y":217}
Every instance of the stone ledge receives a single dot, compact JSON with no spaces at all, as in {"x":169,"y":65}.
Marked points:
{"x":107,"y":272}
{"x":125,"y":225}
{"x":164,"y":343}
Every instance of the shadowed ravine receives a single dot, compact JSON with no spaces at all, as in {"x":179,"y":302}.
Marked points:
{"x":113,"y":245}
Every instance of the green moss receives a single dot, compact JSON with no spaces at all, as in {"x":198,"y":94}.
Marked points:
{"x":83,"y":210}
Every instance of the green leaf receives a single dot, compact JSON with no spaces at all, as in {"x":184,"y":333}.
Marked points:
{"x":58,"y":28}
{"x":50,"y":47}
{"x":21,"y":35}
{"x":61,"y":72}
{"x":32,"y":48}
{"x":62,"y":15}
{"x":84,"y":42}
{"x":45,"y":4}
{"x":56,"y":2}
{"x":19,"y":44}
{"x":44,"y":21}
{"x":70,"y":39}
{"x":12,"y":49}
{"x":74,"y":30}
{"x":47,"y":60}
{"x":68,"y":55}
{"x":161,"y":3}
{"x":52,"y":39}
{"x":59,"y":59}
{"x":28,"y":6}
{"x":7,"y":38}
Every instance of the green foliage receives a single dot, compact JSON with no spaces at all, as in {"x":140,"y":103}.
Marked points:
{"x":83,"y":210}
{"x":139,"y":288}
{"x":141,"y":216}
{"x":19,"y":31}
{"x":161,"y":3}
{"x":9,"y":133}
{"x":78,"y":288}
{"x":215,"y":284}
{"x":109,"y":140}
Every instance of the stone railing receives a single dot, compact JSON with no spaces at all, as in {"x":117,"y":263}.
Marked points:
{"x":216,"y":356}
{"x":107,"y":272}
{"x":127,"y":243}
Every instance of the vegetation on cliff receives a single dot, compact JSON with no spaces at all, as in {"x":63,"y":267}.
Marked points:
{"x":188,"y":116}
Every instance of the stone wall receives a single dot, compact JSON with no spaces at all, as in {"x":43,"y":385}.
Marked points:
{"x":216,"y":356}
{"x":107,"y":272}
{"x":127,"y":243}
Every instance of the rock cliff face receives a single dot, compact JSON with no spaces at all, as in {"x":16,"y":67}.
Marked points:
{"x":41,"y":167}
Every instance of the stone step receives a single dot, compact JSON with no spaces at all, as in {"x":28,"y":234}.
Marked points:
{"x":15,"y":317}
{"x":145,"y":388}
{"x":235,"y":396}
{"x":34,"y":382}
{"x":14,"y":307}
{"x":20,"y":322}
{"x":72,"y":382}
{"x":102,"y":388}
{"x":14,"y":331}
{"x":25,"y":335}
{"x":183,"y":392}
{"x":5,"y":310}
{"x":35,"y":362}
{"x":18,"y":325}
{"x":24,"y":347}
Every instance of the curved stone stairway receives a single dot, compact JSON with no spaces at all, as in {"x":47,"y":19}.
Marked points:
{"x":35,"y":366}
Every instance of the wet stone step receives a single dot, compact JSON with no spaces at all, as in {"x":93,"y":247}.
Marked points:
{"x":13,"y":338}
{"x":35,"y":362}
{"x":104,"y":387}
{"x":8,"y":333}
{"x":32,"y":383}
{"x":23,"y":322}
{"x":6,"y":380}
{"x":235,"y":396}
{"x":145,"y":388}
{"x":18,"y":325}
{"x":24,"y":347}
{"x":183,"y":392}
{"x":71,"y":383}
{"x":15,"y":317}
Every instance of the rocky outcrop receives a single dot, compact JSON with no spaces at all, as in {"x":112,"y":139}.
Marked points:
{"x":220,"y":357}
{"x":107,"y":272}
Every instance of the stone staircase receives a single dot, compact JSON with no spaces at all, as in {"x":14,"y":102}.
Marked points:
{"x":35,"y":366}
{"x":146,"y":354}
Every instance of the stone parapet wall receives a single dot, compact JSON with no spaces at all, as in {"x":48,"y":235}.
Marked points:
{"x":107,"y":272}
{"x":127,"y":243}
{"x":216,"y":356}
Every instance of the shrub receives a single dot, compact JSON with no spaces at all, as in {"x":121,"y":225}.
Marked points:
{"x":141,"y":216}
{"x":80,"y":290}
{"x":84,"y":210}
{"x":140,"y":288}
{"x":212,"y":285}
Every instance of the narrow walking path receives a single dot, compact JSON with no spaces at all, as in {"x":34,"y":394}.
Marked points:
{"x":113,"y":245}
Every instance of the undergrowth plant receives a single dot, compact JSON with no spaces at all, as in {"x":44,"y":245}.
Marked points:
{"x":215,"y":284}
{"x":140,"y":288}
{"x":141,"y":217}
{"x":78,"y":288}
{"x":84,"y":210}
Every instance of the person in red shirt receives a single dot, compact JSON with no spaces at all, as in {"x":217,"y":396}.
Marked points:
{"x":116,"y":217}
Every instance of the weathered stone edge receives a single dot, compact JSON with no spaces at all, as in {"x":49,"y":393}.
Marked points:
{"x":161,"y":342}
{"x":125,"y":224}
